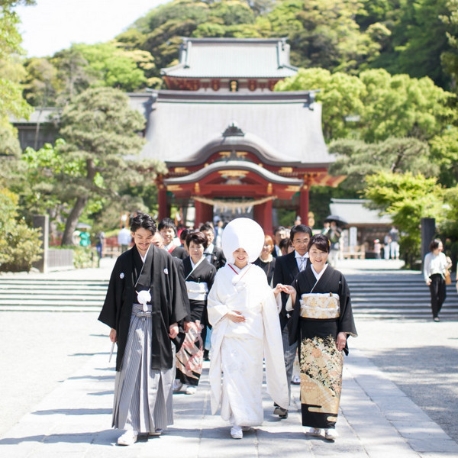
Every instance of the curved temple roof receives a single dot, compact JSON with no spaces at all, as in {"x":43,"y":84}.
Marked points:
{"x":284,"y":126}
{"x":233,"y":165}
{"x":233,"y":58}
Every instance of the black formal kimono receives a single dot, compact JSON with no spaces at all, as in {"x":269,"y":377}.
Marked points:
{"x":215,"y":256}
{"x":315,"y":326}
{"x":268,"y":267}
{"x":189,"y":359}
{"x":144,"y":362}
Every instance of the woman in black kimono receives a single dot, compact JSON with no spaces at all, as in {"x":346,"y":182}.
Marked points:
{"x":266,"y":261}
{"x":321,"y":322}
{"x":199,"y":275}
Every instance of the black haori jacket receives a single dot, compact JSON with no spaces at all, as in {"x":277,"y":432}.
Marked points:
{"x":161,"y":277}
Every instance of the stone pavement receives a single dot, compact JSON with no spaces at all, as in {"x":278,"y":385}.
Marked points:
{"x":72,"y":418}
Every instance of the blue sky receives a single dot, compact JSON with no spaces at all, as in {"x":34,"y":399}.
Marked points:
{"x":52,"y":25}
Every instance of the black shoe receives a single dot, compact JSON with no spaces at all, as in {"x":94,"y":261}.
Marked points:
{"x":282,"y":413}
{"x":206,"y":356}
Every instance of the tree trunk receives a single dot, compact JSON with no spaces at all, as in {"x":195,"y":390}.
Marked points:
{"x":72,"y":220}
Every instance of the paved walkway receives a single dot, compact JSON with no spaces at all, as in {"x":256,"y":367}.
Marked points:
{"x":377,"y":419}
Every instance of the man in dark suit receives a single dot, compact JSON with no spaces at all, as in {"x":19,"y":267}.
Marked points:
{"x":212,"y":253}
{"x":286,"y":269}
{"x":279,"y":235}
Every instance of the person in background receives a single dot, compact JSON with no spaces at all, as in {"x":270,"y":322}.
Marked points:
{"x":85,"y":238}
{"x":124,"y":239}
{"x":386,"y":247}
{"x":377,"y":249}
{"x":242,"y":309}
{"x":279,"y":234}
{"x":213,"y":254}
{"x":286,"y":246}
{"x":333,"y":234}
{"x":100,"y":237}
{"x":394,"y":245}
{"x":219,"y":233}
{"x":326,"y":227}
{"x":144,"y":284}
{"x":167,"y":229}
{"x":266,"y":261}
{"x":286,"y":269}
{"x":183,"y":234}
{"x":434,"y":268}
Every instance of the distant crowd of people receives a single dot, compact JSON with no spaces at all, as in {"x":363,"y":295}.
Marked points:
{"x":256,"y":301}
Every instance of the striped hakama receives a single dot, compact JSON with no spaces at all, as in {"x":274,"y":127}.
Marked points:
{"x":143,"y":396}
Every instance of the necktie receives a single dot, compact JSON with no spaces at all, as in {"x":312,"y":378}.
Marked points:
{"x":302,"y":261}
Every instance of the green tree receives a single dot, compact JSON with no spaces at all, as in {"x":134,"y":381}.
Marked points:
{"x":42,"y":170}
{"x":407,"y":198}
{"x":449,"y":57}
{"x":11,"y":73}
{"x":325,"y":34}
{"x":376,"y":105}
{"x":425,"y":41}
{"x":20,"y":246}
{"x":340,"y":94}
{"x":357,"y":159}
{"x":400,"y":106}
{"x":100,"y":131}
{"x":444,"y":151}
{"x":72,"y":74}
{"x":112,"y":66}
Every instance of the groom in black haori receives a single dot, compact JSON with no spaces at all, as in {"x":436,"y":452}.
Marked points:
{"x":144,"y":307}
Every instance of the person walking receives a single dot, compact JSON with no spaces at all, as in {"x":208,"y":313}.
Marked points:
{"x":333,"y":234}
{"x":199,"y":275}
{"x":394,"y":244}
{"x":287,"y":267}
{"x":168,"y":231}
{"x":322,"y":320}
{"x":144,"y":307}
{"x":242,"y":309}
{"x":124,"y":239}
{"x":434,"y":268}
{"x":386,"y":246}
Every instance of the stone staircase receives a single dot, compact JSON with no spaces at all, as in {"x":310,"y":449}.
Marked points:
{"x":375,"y":294}
{"x":391,"y":295}
{"x":46,"y":294}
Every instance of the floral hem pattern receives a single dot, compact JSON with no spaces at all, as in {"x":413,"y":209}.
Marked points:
{"x":321,"y":381}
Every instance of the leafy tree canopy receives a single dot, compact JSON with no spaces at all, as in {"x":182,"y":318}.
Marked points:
{"x":11,"y":72}
{"x":54,"y":81}
{"x":100,"y":131}
{"x":357,"y":160}
{"x":407,"y":198}
{"x":376,"y":105}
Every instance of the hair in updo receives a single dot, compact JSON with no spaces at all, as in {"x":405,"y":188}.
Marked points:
{"x":434,"y":245}
{"x":321,"y":242}
{"x":198,"y":238}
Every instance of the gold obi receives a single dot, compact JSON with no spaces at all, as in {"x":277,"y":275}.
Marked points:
{"x":320,"y":306}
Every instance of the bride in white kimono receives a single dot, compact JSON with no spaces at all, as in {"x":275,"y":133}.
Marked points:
{"x":243,"y":310}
